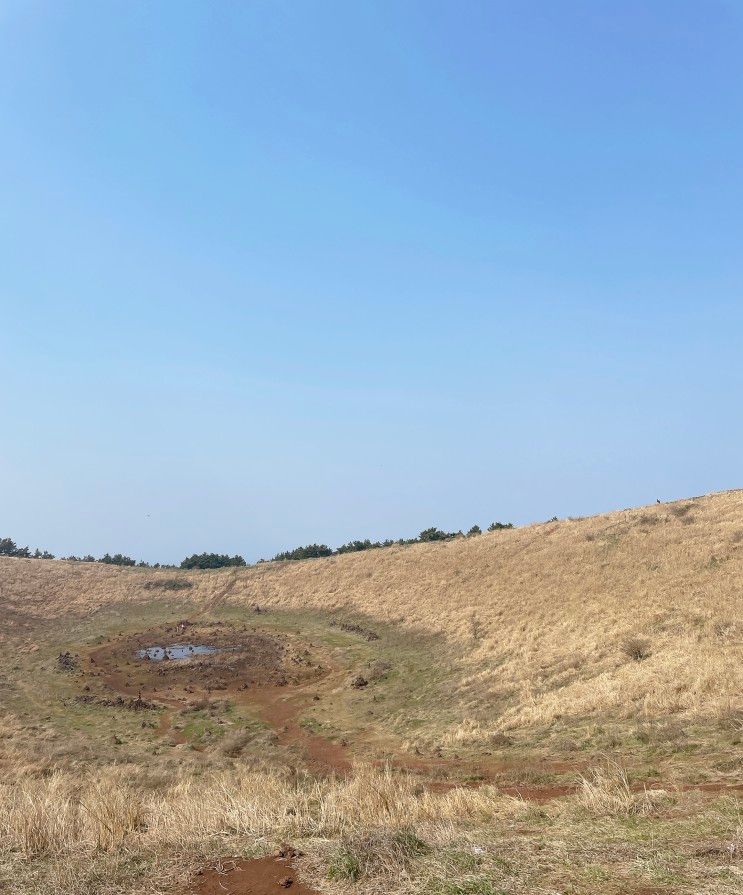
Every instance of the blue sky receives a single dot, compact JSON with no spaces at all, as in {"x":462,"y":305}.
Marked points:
{"x":280,"y":272}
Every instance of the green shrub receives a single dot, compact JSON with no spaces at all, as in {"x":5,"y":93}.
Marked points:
{"x":435,"y":534}
{"x":8,"y":547}
{"x":376,"y":853}
{"x":311,"y":551}
{"x":168,"y":584}
{"x":211,"y":561}
{"x":118,"y":559}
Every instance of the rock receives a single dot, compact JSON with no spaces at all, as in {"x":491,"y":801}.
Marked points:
{"x":359,"y":682}
{"x":66,"y":662}
{"x":285,"y":882}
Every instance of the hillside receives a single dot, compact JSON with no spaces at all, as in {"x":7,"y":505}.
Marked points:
{"x":554,"y":708}
{"x":543,"y":613}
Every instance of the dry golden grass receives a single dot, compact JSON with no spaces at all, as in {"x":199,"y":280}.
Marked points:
{"x":103,"y":810}
{"x":607,"y":792}
{"x":632,"y":616}
{"x":375,"y":831}
{"x":543,"y":614}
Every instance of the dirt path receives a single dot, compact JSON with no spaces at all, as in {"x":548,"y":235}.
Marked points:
{"x":240,"y":876}
{"x":278,"y":677}
{"x":282,"y":712}
{"x":257,"y":677}
{"x":216,"y":599}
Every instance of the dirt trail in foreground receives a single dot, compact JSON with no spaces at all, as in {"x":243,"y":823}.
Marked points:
{"x":240,"y":876}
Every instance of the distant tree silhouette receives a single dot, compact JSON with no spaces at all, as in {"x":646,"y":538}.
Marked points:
{"x":435,"y":534}
{"x":8,"y":547}
{"x":118,"y":559}
{"x":211,"y":561}
{"x":311,"y":551}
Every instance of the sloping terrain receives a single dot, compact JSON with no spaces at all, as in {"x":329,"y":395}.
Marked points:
{"x":552,"y":708}
{"x":544,"y":612}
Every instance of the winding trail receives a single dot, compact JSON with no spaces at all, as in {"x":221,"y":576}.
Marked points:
{"x":281,"y":705}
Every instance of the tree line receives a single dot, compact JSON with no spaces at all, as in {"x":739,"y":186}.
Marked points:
{"x":314,"y":551}
{"x":8,"y":547}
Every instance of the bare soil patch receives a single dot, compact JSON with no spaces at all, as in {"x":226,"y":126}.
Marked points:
{"x":269,"y":671}
{"x":239,"y":876}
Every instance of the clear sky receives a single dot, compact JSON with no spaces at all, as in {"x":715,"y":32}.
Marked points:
{"x":281,"y":272}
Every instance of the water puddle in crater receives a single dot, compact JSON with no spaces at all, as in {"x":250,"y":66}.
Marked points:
{"x":177,"y":651}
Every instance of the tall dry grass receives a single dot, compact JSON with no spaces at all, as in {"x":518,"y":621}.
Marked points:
{"x":607,"y":792}
{"x":103,"y":811}
{"x":541,"y":615}
{"x":121,"y":832}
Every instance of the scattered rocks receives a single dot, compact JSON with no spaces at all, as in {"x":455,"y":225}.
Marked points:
{"x":378,"y":670}
{"x":355,"y":629}
{"x":287,"y":851}
{"x":168,"y":584}
{"x":119,"y":702}
{"x":67,"y":662}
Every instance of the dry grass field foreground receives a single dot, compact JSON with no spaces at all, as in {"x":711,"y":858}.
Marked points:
{"x":600,"y":659}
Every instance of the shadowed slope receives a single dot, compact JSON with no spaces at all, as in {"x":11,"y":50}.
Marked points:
{"x":545,"y":615}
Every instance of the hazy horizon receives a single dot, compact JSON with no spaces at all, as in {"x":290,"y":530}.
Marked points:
{"x":279,"y":273}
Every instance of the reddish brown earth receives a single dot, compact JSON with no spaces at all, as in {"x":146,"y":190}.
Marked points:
{"x":239,"y":876}
{"x":279,"y":676}
{"x":281,"y":711}
{"x":275,"y":675}
{"x":270,"y":672}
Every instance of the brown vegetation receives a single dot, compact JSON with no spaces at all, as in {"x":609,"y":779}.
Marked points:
{"x":551,"y":708}
{"x":553,"y":608}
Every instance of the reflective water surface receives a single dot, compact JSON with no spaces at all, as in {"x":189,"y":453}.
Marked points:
{"x":177,"y":651}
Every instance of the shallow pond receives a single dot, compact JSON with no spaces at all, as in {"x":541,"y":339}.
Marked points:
{"x":177,"y":651}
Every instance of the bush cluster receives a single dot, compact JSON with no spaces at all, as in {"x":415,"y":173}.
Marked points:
{"x":118,"y":559}
{"x":8,"y":547}
{"x":211,"y":561}
{"x":313,"y":551}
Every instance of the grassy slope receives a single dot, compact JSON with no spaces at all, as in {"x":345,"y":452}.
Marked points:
{"x":530,"y":626}
{"x":540,"y":613}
